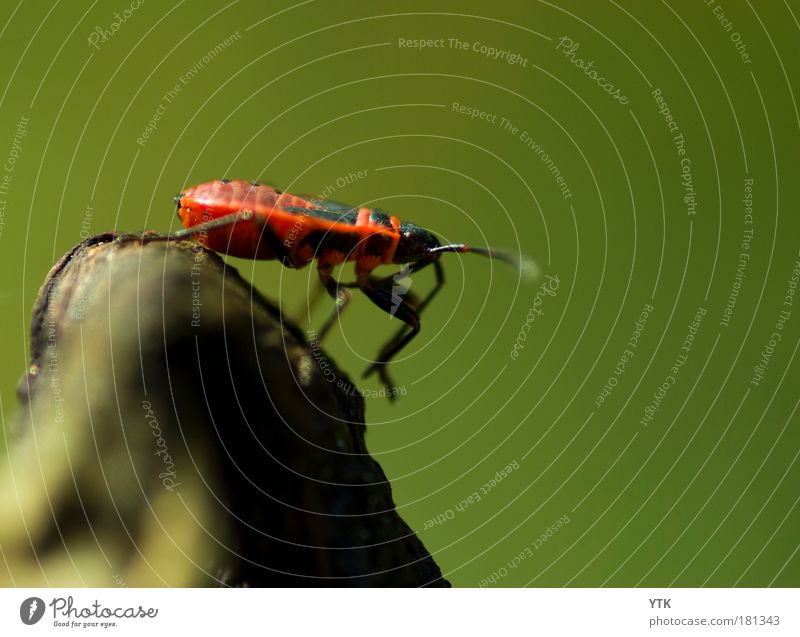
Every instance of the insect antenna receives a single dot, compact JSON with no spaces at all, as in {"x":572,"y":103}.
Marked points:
{"x":526,"y":266}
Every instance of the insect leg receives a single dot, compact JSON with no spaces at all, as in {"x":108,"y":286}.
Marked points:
{"x":304,"y":310}
{"x":340,"y":295}
{"x":267,"y":233}
{"x":220,"y":222}
{"x":385,"y":282}
{"x":410,"y":317}
{"x":383,"y":298}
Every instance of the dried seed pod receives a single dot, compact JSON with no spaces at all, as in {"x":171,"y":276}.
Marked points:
{"x":175,"y":430}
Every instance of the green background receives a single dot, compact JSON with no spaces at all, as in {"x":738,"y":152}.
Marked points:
{"x":706,"y":493}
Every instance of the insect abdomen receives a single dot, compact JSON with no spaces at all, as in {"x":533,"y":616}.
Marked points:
{"x":220,"y":198}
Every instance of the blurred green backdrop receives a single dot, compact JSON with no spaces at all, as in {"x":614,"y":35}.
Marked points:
{"x":542,"y":127}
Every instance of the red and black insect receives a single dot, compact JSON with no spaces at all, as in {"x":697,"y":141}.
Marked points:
{"x":256,"y":221}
